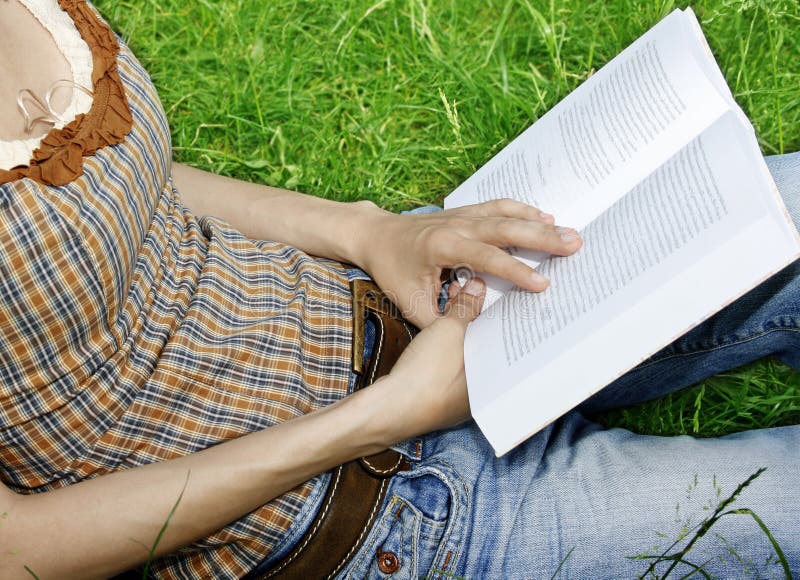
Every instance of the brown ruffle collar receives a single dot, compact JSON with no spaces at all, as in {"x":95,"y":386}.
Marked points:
{"x":59,"y":158}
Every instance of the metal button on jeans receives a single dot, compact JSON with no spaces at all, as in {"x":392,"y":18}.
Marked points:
{"x":388,"y":562}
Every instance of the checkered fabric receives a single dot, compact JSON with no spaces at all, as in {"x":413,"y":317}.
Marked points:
{"x":132,"y":331}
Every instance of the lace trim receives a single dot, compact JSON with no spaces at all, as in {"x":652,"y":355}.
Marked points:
{"x":59,"y":158}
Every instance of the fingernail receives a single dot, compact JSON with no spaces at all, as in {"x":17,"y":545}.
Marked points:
{"x":567,"y":234}
{"x":452,"y":289}
{"x":538,"y":278}
{"x":474,"y":287}
{"x":546,"y":216}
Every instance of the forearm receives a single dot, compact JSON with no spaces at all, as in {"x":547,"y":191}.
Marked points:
{"x":317,"y":226}
{"x":106,"y":525}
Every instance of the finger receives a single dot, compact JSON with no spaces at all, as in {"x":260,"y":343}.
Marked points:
{"x":559,"y":240}
{"x":453,"y":289}
{"x":492,"y":260}
{"x":465,"y":303}
{"x":422,"y":309}
{"x":502,"y":232}
{"x":508,"y":208}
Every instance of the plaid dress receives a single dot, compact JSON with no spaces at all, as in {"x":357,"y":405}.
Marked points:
{"x":132,"y":331}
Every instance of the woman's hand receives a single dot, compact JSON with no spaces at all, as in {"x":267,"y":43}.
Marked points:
{"x":427,"y":386}
{"x":406,"y":254}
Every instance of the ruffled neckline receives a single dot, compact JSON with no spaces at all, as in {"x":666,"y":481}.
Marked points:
{"x":59,"y":158}
{"x":65,"y":35}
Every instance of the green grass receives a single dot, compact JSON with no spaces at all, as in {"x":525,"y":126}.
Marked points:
{"x":399,"y":101}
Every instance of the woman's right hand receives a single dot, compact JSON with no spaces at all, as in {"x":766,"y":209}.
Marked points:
{"x":426,"y":389}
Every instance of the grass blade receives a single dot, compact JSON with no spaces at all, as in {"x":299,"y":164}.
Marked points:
{"x":146,"y":570}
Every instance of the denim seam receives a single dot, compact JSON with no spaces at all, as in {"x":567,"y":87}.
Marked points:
{"x":387,"y":506}
{"x":416,"y":533}
{"x":448,"y":532}
{"x":718,"y":347}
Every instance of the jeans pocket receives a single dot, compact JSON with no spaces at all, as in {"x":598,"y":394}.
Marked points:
{"x":402,"y":543}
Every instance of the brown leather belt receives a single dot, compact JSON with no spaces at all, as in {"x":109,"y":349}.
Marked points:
{"x":357,"y":488}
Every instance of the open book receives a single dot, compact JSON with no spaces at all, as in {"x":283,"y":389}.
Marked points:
{"x":659,"y":169}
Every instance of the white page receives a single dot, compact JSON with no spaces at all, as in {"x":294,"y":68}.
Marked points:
{"x":697,"y":43}
{"x":696,"y":40}
{"x":606,"y":136}
{"x":708,"y":219}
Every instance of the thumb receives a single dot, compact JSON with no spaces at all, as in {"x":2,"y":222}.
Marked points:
{"x":465,"y":303}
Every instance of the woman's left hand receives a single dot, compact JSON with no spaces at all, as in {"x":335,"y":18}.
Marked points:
{"x":406,"y":254}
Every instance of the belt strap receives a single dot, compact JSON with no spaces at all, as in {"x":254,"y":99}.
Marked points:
{"x":357,"y":488}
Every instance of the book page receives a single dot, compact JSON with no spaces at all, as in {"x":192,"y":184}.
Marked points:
{"x":628,"y":118}
{"x":606,"y":136}
{"x":693,"y":36}
{"x":696,"y":40}
{"x":706,"y":219}
{"x":659,"y":217}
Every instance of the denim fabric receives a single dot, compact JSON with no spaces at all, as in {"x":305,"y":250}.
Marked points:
{"x":582,"y":500}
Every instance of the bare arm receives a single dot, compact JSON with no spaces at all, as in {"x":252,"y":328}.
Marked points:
{"x":104,"y":526}
{"x":317,"y":226}
{"x":405,"y":254}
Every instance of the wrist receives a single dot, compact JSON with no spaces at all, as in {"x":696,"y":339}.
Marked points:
{"x":373,"y":425}
{"x":366,"y":224}
{"x":383,"y":425}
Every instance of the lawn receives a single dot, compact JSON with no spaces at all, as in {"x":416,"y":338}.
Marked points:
{"x":400,"y":101}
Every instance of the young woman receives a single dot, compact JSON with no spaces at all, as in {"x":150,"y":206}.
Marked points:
{"x":153,"y":357}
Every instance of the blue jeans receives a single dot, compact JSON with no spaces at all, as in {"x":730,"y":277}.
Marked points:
{"x":582,"y":499}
